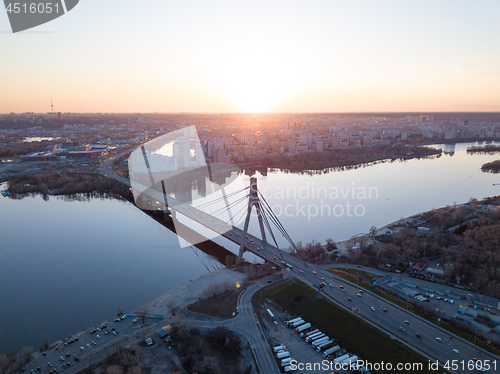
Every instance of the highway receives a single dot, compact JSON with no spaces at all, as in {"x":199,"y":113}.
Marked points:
{"x":390,"y":321}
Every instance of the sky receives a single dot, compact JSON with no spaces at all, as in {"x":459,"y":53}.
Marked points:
{"x":256,"y":56}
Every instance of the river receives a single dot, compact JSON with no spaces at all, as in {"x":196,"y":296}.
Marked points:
{"x":67,"y":265}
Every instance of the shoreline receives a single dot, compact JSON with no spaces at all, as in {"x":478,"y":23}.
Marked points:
{"x":178,"y":297}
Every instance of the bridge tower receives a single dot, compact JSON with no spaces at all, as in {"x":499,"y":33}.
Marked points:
{"x":253,"y":201}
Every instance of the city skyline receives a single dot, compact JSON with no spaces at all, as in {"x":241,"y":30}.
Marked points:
{"x":293,"y":57}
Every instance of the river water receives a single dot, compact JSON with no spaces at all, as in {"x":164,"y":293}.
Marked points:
{"x":67,"y":265}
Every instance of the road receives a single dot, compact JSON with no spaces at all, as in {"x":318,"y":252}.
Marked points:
{"x":245,"y":323}
{"x":390,"y":321}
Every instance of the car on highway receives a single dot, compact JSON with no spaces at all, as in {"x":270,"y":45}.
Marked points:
{"x":331,"y":285}
{"x":372,"y":308}
{"x":417,"y":335}
{"x":82,"y":348}
{"x":402,"y":329}
{"x":358,"y":294}
{"x":349,"y":299}
{"x":407,"y":322}
{"x":456,"y":351}
{"x":385,"y":310}
{"x":314,"y":272}
{"x":438,"y":339}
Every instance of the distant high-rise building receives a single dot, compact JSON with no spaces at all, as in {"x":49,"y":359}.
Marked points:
{"x":265,"y":141}
{"x":145,"y":135}
{"x":319,"y":146}
{"x":211,"y":148}
{"x":182,"y":152}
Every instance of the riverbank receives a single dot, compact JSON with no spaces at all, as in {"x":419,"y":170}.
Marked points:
{"x":188,"y":292}
{"x":343,"y":158}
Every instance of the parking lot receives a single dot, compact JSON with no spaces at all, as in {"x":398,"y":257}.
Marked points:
{"x":300,"y":351}
{"x":83,"y":345}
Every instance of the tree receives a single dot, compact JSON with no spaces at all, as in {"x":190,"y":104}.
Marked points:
{"x":142,"y":312}
{"x":134,"y":370}
{"x":373,"y":231}
{"x":114,"y":369}
{"x":229,"y":260}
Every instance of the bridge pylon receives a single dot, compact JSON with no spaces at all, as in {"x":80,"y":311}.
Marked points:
{"x":253,"y":201}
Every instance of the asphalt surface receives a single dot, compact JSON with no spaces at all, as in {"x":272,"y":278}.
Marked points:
{"x":245,"y":323}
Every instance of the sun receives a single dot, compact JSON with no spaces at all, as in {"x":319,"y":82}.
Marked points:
{"x":256,"y":81}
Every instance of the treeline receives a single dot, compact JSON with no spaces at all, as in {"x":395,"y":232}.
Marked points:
{"x":339,"y":158}
{"x":217,"y":352}
{"x":55,"y":183}
{"x":126,"y":361}
{"x":488,"y":149}
{"x":491,"y":167}
{"x":13,"y":361}
{"x":313,"y":252}
{"x":25,"y":148}
{"x":467,"y":244}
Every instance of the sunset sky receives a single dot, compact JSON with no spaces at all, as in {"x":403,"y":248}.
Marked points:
{"x":256,"y":56}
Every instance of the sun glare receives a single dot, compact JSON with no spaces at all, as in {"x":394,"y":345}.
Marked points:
{"x":257,"y":79}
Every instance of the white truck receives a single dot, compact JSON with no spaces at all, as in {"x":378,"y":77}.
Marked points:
{"x":279,"y":347}
{"x":330,"y":351}
{"x":296,"y":323}
{"x":319,"y":341}
{"x":314,"y":337}
{"x":282,"y":355}
{"x":305,"y":335}
{"x":349,"y":360}
{"x":303,"y":327}
{"x":286,"y":361}
{"x":324,"y":345}
{"x":339,"y":359}
{"x":292,"y":320}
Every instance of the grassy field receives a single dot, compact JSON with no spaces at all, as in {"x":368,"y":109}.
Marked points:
{"x":355,"y":335}
{"x":221,"y":306}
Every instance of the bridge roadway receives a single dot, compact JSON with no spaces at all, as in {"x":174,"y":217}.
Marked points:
{"x":390,"y":321}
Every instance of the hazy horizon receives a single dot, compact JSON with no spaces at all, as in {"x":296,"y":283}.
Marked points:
{"x":271,"y":57}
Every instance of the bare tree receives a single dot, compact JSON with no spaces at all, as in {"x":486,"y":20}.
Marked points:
{"x":114,"y":369}
{"x":142,"y":312}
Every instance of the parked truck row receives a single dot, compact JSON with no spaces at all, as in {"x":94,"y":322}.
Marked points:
{"x":319,"y":341}
{"x":284,"y":356}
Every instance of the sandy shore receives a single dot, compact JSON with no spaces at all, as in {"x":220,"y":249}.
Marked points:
{"x":190,"y":291}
